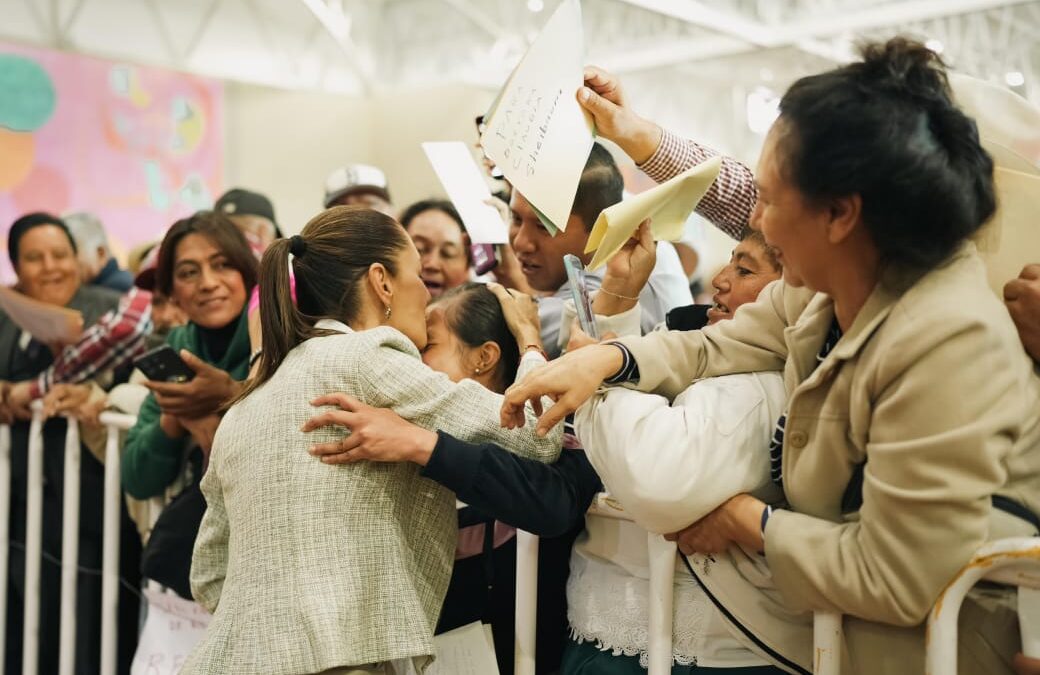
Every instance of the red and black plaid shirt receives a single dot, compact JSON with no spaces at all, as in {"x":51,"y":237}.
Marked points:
{"x":115,"y":340}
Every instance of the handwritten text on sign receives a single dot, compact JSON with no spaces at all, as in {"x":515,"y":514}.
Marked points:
{"x":527,"y":115}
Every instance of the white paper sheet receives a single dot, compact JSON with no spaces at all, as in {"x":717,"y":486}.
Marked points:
{"x":538,"y":134}
{"x":468,"y":650}
{"x":49,"y":324}
{"x":462,"y":180}
{"x":173,"y":627}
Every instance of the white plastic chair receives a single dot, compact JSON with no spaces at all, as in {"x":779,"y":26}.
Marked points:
{"x":1014,"y":562}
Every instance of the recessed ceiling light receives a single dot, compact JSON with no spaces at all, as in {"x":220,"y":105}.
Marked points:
{"x":535,"y":5}
{"x":935,"y":45}
{"x":1014,"y":78}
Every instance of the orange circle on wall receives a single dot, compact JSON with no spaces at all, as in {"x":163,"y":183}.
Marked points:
{"x":18,"y":150}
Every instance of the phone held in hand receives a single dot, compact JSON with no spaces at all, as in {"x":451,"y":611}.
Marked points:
{"x":484,"y":258}
{"x":580,"y":293}
{"x":163,"y":364}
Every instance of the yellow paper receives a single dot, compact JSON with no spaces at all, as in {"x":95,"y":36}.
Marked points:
{"x":537,"y":133}
{"x":668,"y":206}
{"x":1011,"y":239}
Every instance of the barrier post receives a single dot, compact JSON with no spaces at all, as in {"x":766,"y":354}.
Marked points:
{"x":526,"y":602}
{"x":5,"y":533}
{"x":69,"y":549}
{"x":33,"y":544}
{"x":662,"y":583}
{"x":110,"y":543}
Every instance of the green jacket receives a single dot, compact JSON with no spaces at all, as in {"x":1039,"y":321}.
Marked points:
{"x":151,"y":459}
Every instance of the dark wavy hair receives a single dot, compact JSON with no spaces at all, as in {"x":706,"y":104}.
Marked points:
{"x":887,"y":128}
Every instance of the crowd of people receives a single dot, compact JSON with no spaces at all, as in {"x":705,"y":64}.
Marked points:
{"x":369,"y":420}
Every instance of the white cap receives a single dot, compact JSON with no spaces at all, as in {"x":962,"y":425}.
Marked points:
{"x":355,"y":178}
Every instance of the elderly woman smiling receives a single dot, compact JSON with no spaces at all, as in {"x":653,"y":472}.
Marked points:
{"x":911,"y":434}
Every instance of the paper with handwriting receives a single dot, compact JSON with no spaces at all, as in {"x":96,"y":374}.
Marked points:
{"x":537,"y":133}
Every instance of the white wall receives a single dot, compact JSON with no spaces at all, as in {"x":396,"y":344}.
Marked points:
{"x":284,"y":143}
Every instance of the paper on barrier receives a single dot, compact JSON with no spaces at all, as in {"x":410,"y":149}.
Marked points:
{"x":668,"y":206}
{"x":462,"y":180}
{"x":1011,"y":238}
{"x":537,"y":133}
{"x":47,"y":323}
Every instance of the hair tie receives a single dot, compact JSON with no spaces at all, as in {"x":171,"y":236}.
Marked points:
{"x":297,"y":245}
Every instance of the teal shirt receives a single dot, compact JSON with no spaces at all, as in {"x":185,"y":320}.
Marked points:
{"x":151,"y":459}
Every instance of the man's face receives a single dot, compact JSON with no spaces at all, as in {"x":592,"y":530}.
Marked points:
{"x":541,"y":254}
{"x":369,"y":200}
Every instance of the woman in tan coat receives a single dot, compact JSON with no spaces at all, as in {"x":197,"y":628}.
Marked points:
{"x":911,"y":435}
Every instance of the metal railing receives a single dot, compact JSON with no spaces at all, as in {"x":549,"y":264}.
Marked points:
{"x":114,"y":422}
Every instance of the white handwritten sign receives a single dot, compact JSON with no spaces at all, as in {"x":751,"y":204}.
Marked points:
{"x":537,"y":133}
{"x":173,"y":627}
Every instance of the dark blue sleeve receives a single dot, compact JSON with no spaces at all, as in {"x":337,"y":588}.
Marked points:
{"x":543,"y":499}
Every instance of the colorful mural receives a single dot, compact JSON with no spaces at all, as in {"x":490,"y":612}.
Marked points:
{"x":138,"y":146}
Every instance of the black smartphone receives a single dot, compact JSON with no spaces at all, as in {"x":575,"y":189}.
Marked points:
{"x":163,"y":364}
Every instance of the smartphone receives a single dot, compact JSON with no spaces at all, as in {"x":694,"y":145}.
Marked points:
{"x":484,"y":259}
{"x":163,"y":364}
{"x":580,"y":293}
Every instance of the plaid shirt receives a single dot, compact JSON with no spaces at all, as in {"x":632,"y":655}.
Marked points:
{"x":730,"y":199}
{"x":112,"y":342}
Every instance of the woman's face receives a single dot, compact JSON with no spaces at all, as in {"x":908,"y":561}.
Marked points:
{"x":790,"y":224}
{"x":748,"y":272}
{"x":210,"y":291}
{"x":410,"y":297}
{"x":442,"y":248}
{"x":47,"y":267}
{"x":444,"y":351}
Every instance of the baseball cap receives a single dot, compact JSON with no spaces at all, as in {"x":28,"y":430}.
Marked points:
{"x":355,"y":178}
{"x":239,"y":202}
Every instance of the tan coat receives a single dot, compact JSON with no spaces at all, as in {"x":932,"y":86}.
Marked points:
{"x":933,"y":390}
{"x":311,"y":567}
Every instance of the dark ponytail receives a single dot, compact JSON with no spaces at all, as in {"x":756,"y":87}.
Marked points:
{"x":887,"y":128}
{"x":332,"y":256}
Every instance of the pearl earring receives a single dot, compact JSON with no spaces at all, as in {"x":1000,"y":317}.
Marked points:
{"x":477,"y":371}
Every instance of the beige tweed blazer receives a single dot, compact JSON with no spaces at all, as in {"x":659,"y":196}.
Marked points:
{"x":308,"y":566}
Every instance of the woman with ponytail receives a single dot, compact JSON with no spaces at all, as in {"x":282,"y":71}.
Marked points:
{"x":912,"y":430}
{"x":311,"y":566}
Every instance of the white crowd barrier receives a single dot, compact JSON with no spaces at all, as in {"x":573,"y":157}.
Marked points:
{"x":662,"y":555}
{"x":1010,"y":561}
{"x":114,"y":422}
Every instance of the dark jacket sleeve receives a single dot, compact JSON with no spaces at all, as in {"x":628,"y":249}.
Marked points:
{"x":543,"y":499}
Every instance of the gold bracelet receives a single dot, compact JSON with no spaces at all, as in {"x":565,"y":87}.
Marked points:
{"x":617,"y":295}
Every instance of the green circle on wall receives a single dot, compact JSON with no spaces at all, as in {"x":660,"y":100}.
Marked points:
{"x":26,"y":93}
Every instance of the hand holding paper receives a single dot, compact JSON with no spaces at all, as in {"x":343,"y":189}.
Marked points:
{"x":667,"y":205}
